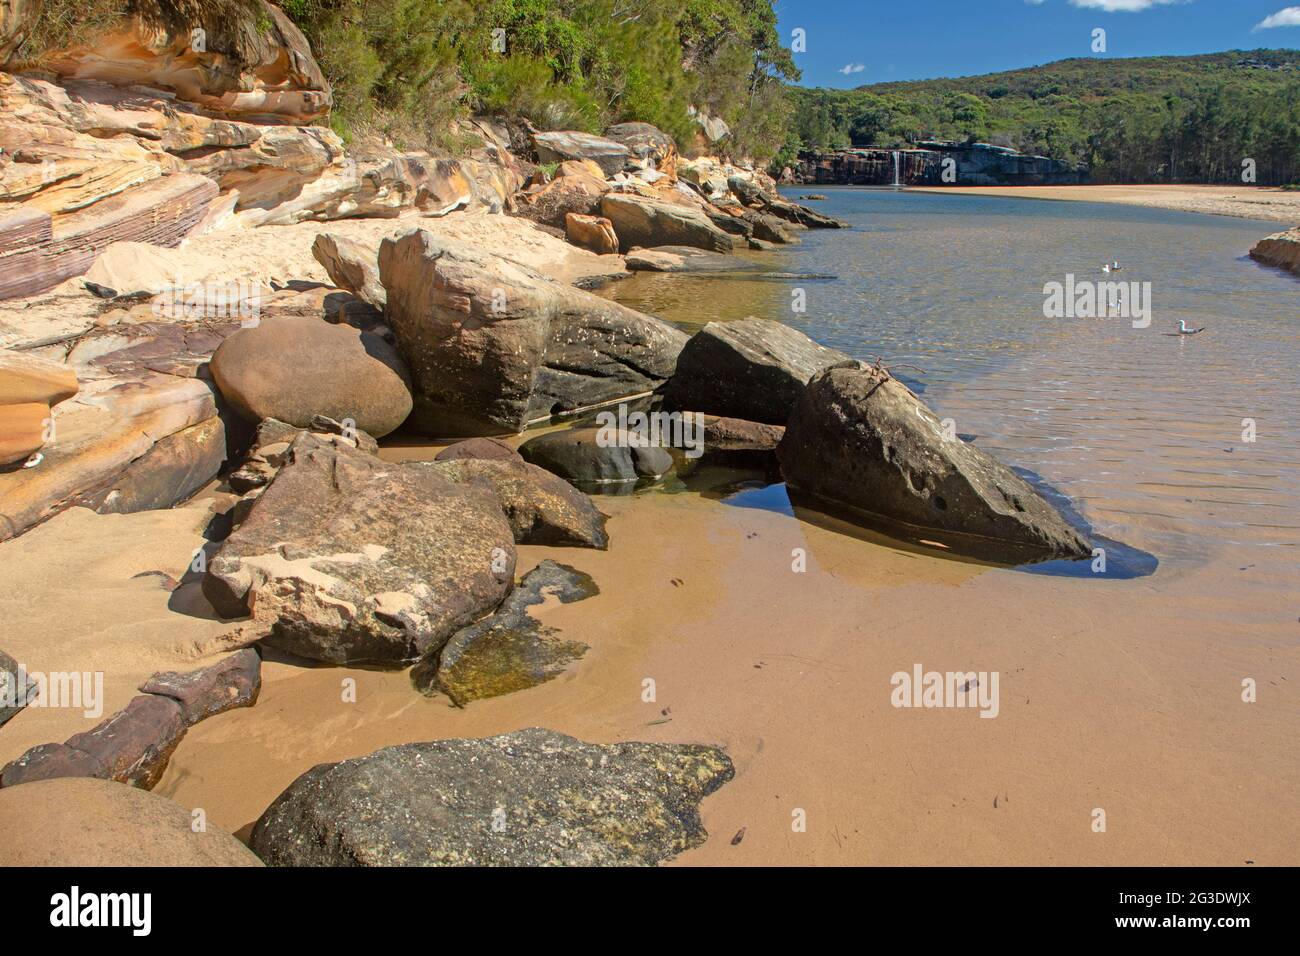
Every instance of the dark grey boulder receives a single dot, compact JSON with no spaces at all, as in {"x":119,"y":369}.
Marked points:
{"x":542,"y":507}
{"x":508,"y":650}
{"x":753,"y":369}
{"x":858,"y":438}
{"x":529,"y":798}
{"x":584,"y":457}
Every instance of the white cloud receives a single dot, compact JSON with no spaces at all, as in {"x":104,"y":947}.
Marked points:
{"x":1290,"y":17}
{"x":848,"y":68}
{"x":1123,"y":6}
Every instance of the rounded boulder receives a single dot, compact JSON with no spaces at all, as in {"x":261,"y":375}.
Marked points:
{"x":295,"y":367}
{"x":82,"y":821}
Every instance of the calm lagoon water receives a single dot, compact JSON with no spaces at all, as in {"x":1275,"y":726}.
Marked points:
{"x":1142,"y":429}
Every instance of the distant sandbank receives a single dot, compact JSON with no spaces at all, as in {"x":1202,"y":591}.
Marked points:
{"x":1246,"y":202}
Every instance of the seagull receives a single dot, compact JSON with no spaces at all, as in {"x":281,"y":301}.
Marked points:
{"x":1114,"y":266}
{"x":1105,"y":268}
{"x":1184,"y":330}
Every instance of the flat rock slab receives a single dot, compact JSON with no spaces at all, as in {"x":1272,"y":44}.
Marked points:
{"x":860,"y":439}
{"x":508,"y":650}
{"x":687,"y":259}
{"x":233,"y":682}
{"x":752,"y":369}
{"x":348,"y":559}
{"x":560,"y":145}
{"x":529,"y":798}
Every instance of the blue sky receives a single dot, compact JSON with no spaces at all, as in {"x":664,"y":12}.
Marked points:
{"x":883,"y":40}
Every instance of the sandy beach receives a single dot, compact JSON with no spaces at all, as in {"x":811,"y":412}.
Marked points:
{"x":1245,"y":202}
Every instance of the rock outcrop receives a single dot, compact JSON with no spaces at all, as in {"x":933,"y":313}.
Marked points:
{"x":1280,"y":249}
{"x":639,"y":221}
{"x":351,"y":266}
{"x":82,"y":822}
{"x":233,"y":682}
{"x":529,"y":798}
{"x":859,"y":439}
{"x":293,"y":368}
{"x":752,"y":369}
{"x":509,"y":650}
{"x":346,"y":558}
{"x":494,"y":346}
{"x":562,"y":145}
{"x":576,"y":189}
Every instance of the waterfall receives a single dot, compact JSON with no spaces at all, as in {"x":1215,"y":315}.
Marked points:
{"x":897,"y":181}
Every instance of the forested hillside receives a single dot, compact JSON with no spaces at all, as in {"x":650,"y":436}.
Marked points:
{"x":1158,"y":119}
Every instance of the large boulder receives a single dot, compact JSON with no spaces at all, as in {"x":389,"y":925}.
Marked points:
{"x":350,"y":266}
{"x":561,"y":145}
{"x":595,"y":233}
{"x":651,"y":222}
{"x":1281,"y":249}
{"x":295,"y":367}
{"x":82,"y":822}
{"x":509,"y":650}
{"x":347,"y":558}
{"x":529,"y":798}
{"x":542,"y":507}
{"x":494,"y":346}
{"x":648,"y":144}
{"x":858,"y":438}
{"x":753,"y":369}
{"x":586,"y":458}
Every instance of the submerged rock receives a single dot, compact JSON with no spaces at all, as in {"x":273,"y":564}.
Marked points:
{"x":753,"y":369}
{"x":529,"y":798}
{"x":582,"y":456}
{"x":347,"y":558}
{"x":859,"y":438}
{"x":82,"y":822}
{"x":508,"y":650}
{"x":542,"y":508}
{"x":494,"y":346}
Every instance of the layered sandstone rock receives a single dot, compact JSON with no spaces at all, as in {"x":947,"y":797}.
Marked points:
{"x":493,"y":346}
{"x":1281,"y":249}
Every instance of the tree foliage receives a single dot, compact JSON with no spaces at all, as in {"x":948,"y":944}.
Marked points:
{"x":1159,"y":119}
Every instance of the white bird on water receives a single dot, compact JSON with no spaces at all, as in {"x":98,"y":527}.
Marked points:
{"x":1184,"y":330}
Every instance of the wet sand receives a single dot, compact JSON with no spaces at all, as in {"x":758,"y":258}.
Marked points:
{"x":1246,"y":202}
{"x":1105,"y":701}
